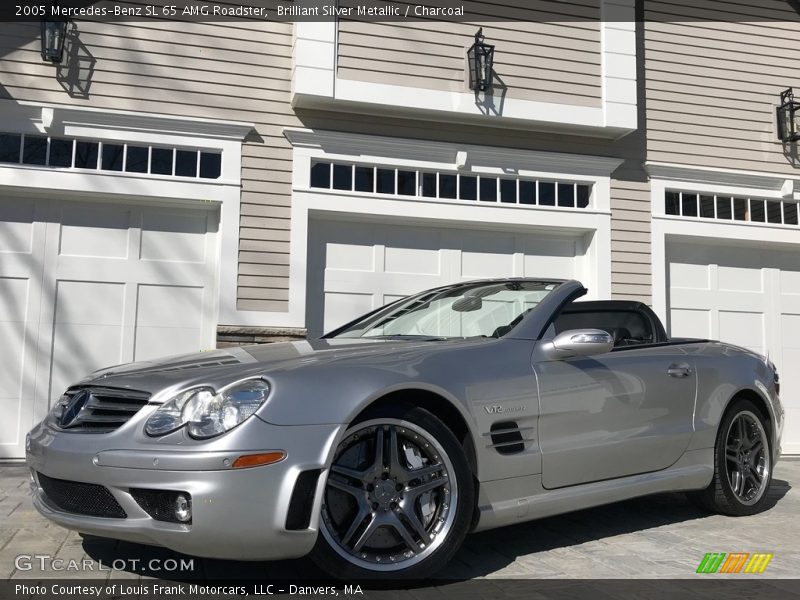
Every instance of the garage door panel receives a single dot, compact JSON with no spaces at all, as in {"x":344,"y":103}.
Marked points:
{"x":168,"y":320}
{"x":549,"y":246}
{"x":341,"y":308}
{"x":173,"y":237}
{"x":744,"y":329}
{"x":350,"y":257}
{"x":740,"y":280}
{"x":80,"y":349}
{"x":89,"y":303}
{"x":696,"y":321}
{"x":16,"y":226}
{"x":689,"y":276}
{"x":720,"y":299}
{"x":402,"y":284}
{"x":102,"y":231}
{"x":13,"y":316}
{"x":549,"y":266}
{"x":88,"y":330}
{"x":790,"y":282}
{"x":355,"y":267}
{"x":423,"y":261}
{"x":169,"y":306}
{"x":119,"y":271}
{"x":477,"y":265}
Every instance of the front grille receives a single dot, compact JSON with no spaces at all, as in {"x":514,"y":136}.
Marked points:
{"x":80,"y":498}
{"x":105,"y":410}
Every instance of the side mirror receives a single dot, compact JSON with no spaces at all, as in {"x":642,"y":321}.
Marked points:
{"x":580,"y":342}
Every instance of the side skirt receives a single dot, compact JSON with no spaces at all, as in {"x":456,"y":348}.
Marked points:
{"x":515,"y":500}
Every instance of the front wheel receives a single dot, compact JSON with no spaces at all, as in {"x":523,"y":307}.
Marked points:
{"x":742,"y":464}
{"x":398,"y":500}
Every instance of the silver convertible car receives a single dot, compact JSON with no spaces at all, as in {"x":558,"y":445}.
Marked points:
{"x":377,"y":448}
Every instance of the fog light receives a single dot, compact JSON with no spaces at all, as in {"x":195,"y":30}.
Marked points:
{"x":183,"y":508}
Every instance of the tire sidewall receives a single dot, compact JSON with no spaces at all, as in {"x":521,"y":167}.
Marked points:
{"x":720,"y":466}
{"x":334,"y":564}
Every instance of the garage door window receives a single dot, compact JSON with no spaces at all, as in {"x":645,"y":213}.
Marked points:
{"x":735,"y":208}
{"x":449,"y":186}
{"x":69,"y":153}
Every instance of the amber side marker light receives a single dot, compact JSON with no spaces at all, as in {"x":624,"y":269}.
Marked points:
{"x":258,"y":460}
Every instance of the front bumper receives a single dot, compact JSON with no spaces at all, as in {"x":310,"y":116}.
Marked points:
{"x":236,"y":513}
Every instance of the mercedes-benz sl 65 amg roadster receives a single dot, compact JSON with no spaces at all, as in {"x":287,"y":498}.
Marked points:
{"x":377,"y":448}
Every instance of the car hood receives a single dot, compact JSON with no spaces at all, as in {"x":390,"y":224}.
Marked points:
{"x":220,"y":367}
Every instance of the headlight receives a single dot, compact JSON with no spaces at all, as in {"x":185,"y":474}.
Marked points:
{"x":206,"y":413}
{"x":169,"y":417}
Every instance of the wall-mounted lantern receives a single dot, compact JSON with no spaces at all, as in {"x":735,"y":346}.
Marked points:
{"x":481,"y":59}
{"x":789,"y":118}
{"x":54,"y":33}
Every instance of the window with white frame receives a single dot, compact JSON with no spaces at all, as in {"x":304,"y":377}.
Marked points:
{"x":731,"y":208}
{"x":96,"y":155}
{"x":445,"y":185}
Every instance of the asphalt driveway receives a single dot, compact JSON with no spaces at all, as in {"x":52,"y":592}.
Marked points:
{"x":660,"y":536}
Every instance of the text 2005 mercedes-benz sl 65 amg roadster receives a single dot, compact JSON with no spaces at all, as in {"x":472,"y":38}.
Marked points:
{"x":378,"y":447}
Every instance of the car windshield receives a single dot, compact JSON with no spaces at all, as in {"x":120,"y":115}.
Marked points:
{"x":486,"y":309}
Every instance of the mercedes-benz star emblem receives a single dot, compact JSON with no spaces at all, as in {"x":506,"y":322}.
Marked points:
{"x":74,"y":408}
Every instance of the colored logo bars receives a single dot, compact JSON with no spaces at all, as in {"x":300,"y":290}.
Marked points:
{"x":735,"y":562}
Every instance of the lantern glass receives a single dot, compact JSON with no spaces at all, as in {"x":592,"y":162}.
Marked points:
{"x":54,"y":33}
{"x":789,"y":118}
{"x":481,"y":60}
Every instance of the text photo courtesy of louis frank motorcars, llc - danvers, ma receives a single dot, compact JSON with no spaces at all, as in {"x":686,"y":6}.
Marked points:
{"x":366,"y":298}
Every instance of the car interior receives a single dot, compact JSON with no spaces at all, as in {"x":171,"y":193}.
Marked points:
{"x":626,"y":327}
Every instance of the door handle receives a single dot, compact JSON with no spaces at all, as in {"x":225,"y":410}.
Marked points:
{"x":679,"y":370}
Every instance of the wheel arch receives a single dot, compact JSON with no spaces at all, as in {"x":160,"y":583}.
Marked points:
{"x":761,"y":403}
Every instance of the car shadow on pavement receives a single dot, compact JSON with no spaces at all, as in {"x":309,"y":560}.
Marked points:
{"x":482,"y":554}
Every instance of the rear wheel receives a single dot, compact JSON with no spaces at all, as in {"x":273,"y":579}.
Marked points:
{"x":742,"y":463}
{"x":398,"y":499}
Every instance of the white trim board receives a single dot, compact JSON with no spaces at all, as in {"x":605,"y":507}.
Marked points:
{"x":52,"y":118}
{"x":444,"y":155}
{"x":315,"y":84}
{"x":746,"y":181}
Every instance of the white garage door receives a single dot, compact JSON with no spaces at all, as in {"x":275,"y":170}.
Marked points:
{"x":88,"y":285}
{"x":357,"y":266}
{"x":745,"y":295}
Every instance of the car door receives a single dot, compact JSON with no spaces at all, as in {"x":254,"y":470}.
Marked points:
{"x":620,"y":413}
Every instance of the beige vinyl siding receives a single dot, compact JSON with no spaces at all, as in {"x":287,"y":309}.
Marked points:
{"x":552,"y":56}
{"x":630,"y":235}
{"x":234,"y":71}
{"x":712,"y":87}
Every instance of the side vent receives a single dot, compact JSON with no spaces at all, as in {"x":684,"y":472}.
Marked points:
{"x":302,"y":502}
{"x":507,"y":437}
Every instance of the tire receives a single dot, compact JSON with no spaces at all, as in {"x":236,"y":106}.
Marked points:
{"x":742,"y":475}
{"x":398,"y":515}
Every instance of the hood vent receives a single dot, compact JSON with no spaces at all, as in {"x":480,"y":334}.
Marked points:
{"x":508,"y":437}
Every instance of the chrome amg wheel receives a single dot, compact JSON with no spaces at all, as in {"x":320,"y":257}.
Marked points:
{"x":394,"y":498}
{"x":746,"y":457}
{"x":742,"y":463}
